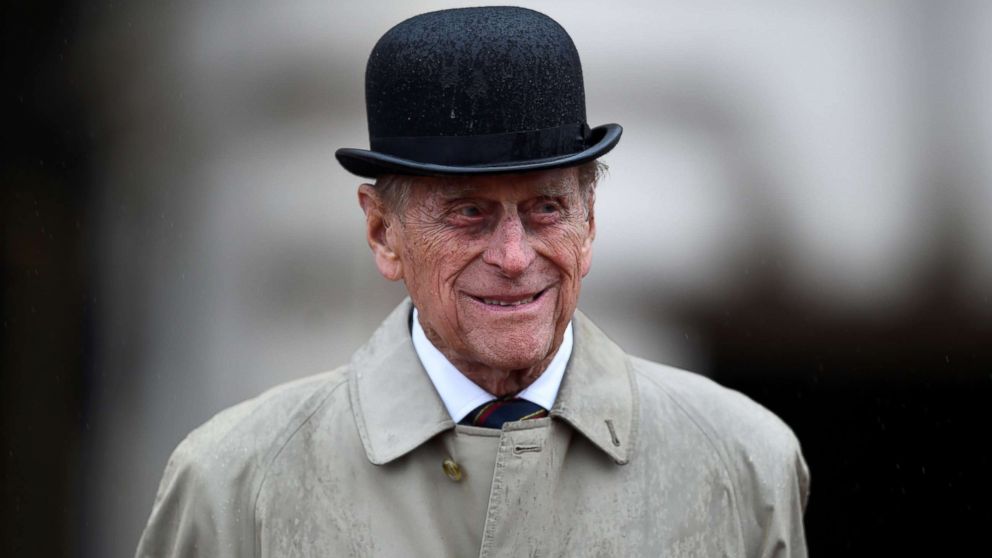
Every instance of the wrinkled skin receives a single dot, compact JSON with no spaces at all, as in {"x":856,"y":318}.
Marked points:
{"x":462,"y":244}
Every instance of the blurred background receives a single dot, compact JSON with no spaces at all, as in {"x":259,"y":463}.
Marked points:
{"x":800,"y":208}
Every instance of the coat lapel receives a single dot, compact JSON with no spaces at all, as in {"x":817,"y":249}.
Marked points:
{"x":396,"y":407}
{"x":598,"y":395}
{"x":394,"y":402}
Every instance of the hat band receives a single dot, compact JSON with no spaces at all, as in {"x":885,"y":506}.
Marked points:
{"x":487,"y":149}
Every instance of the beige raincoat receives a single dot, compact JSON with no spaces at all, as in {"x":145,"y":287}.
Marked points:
{"x":636,"y":459}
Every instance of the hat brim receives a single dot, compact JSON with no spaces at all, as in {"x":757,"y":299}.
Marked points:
{"x":371,"y":164}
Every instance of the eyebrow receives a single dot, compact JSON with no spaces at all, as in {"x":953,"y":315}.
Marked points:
{"x":554,"y":190}
{"x":454,"y":190}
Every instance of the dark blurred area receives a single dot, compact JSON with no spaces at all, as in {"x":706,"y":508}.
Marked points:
{"x":894,"y":416}
{"x":46,"y":310}
{"x":893,"y":406}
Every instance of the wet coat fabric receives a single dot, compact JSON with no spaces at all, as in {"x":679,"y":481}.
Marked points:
{"x":636,"y":459}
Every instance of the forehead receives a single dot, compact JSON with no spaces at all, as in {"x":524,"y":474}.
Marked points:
{"x":550,"y":183}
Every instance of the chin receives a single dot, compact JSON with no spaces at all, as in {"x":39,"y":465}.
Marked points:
{"x":515,"y":351}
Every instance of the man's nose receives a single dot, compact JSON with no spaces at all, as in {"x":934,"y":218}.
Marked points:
{"x":509,"y":248}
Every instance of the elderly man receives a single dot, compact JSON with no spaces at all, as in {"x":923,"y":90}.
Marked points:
{"x":486,"y":416}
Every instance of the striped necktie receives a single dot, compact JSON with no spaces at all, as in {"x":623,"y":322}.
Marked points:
{"x":494,"y":413}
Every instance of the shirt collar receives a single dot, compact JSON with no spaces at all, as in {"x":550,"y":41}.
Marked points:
{"x":597,"y":396}
{"x":461,"y":395}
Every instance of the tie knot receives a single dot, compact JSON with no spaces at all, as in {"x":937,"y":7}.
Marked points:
{"x":494,"y":413}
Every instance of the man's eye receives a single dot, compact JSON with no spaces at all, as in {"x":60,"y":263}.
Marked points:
{"x":469,"y":211}
{"x":546,"y":207}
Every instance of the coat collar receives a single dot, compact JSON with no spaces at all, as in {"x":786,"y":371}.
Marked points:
{"x":598,"y":395}
{"x":397,"y":409}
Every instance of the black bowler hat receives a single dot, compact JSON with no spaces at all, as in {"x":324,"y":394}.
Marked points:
{"x":476,"y":91}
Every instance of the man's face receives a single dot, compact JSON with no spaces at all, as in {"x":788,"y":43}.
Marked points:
{"x":493,"y":263}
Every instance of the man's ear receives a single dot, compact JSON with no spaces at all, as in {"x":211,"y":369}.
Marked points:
{"x":378,"y":220}
{"x":586,"y":251}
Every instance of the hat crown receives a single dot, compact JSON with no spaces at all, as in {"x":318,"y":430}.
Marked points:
{"x":473,"y":71}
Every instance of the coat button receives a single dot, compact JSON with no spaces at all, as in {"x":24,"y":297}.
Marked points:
{"x":452,"y":469}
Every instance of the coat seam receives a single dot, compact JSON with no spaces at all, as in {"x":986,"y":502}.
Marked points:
{"x":715,"y":448}
{"x":635,"y":410}
{"x":275,"y":455}
{"x":492,"y":516}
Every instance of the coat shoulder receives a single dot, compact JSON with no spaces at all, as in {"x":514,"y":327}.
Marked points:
{"x":258,"y":425}
{"x":727,"y":417}
{"x":205,"y":501}
{"x":760,"y":453}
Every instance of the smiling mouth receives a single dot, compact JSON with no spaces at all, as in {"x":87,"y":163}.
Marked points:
{"x":509,"y":301}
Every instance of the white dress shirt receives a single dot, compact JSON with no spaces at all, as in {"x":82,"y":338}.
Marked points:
{"x":461,"y":395}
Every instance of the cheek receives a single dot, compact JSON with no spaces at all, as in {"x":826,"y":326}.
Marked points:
{"x":568,"y":252}
{"x":437,"y":257}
